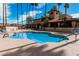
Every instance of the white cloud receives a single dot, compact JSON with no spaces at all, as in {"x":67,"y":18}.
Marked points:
{"x":31,"y":13}
{"x":12,"y":21}
{"x":40,"y":5}
{"x":76,"y":15}
{"x":1,"y":11}
{"x":8,"y":12}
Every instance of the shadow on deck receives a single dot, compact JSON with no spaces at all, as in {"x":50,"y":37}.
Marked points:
{"x":37,"y":51}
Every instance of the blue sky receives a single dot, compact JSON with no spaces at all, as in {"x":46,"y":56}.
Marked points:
{"x":35,"y":12}
{"x":25,"y":10}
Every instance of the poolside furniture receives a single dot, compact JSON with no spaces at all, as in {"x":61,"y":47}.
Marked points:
{"x":74,"y":32}
{"x":5,"y":35}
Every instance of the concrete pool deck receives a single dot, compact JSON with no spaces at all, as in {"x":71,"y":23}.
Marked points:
{"x":10,"y":47}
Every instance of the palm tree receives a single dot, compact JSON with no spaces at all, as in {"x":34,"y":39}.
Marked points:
{"x":66,"y":6}
{"x":34,"y":4}
{"x":29,"y":19}
{"x":21,"y":13}
{"x":59,"y":4}
{"x":27,"y":7}
{"x":46,"y":21}
{"x":54,"y":8}
{"x":17,"y":15}
{"x":3,"y":13}
{"x":4,"y":16}
{"x":45,"y":9}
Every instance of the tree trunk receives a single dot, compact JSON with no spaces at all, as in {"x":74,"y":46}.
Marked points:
{"x":17,"y":15}
{"x":3,"y":13}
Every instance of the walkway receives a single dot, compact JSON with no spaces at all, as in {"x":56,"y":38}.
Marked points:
{"x":26,"y":47}
{"x":12,"y":47}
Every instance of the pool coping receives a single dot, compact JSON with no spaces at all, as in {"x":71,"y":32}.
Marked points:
{"x":52,"y":44}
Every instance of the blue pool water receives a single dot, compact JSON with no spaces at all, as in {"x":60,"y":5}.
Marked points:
{"x":40,"y":37}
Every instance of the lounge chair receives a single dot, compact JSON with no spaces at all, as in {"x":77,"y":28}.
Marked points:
{"x":74,"y":32}
{"x":3,"y":33}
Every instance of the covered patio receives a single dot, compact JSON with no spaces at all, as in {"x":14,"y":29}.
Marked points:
{"x":63,"y":25}
{"x":72,"y":23}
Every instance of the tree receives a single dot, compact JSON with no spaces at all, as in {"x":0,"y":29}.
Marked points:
{"x":66,"y":6}
{"x":59,"y":4}
{"x":3,"y":14}
{"x":45,"y":10}
{"x":54,"y":8}
{"x":34,"y":4}
{"x":45,"y":22}
{"x":29,"y":19}
{"x":17,"y":14}
{"x":60,"y":15}
{"x":21,"y":12}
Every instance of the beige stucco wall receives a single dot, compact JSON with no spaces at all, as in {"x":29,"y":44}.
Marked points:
{"x":11,"y":28}
{"x":64,"y":30}
{"x":73,"y":24}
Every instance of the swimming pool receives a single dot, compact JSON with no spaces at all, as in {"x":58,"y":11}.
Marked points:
{"x":40,"y":37}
